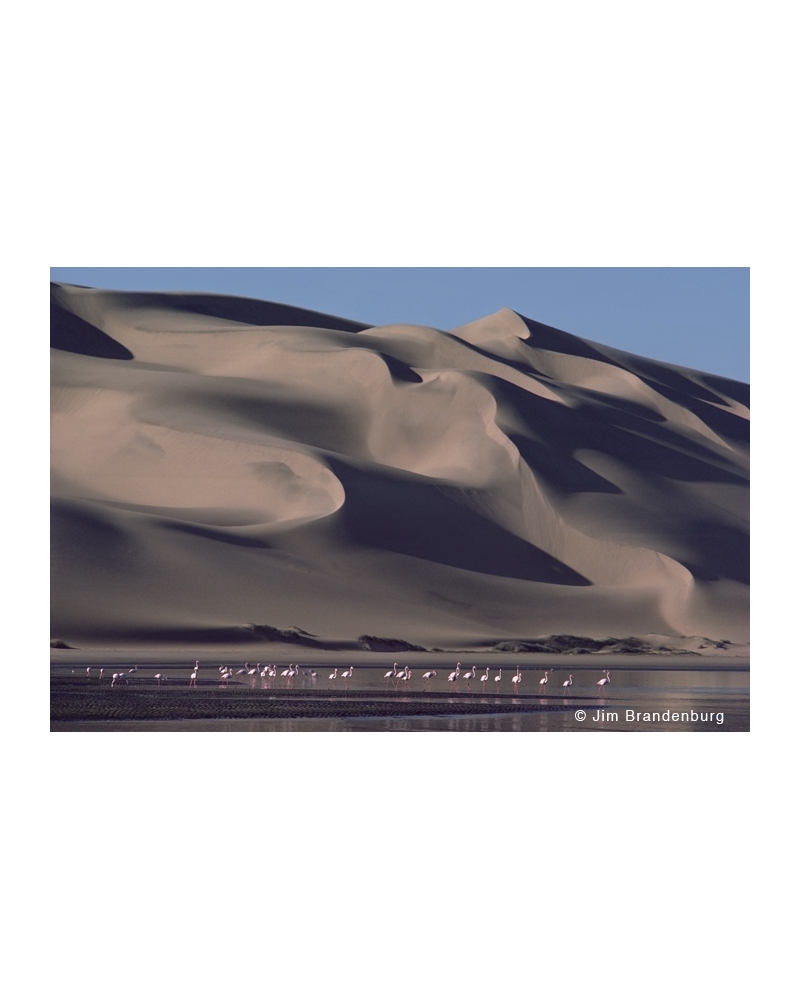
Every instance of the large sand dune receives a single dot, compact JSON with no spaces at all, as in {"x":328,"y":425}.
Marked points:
{"x":218,"y":461}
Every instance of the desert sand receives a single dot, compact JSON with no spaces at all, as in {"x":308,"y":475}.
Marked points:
{"x":228,"y":473}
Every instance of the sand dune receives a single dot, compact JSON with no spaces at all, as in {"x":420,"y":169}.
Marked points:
{"x":218,"y":461}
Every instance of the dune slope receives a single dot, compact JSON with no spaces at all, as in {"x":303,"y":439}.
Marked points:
{"x":218,"y":461}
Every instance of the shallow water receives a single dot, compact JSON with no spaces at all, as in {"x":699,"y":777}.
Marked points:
{"x":705,"y":700}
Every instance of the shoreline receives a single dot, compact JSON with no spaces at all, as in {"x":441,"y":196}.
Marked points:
{"x":185,"y":657}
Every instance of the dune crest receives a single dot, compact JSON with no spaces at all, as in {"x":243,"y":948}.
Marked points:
{"x":218,"y":460}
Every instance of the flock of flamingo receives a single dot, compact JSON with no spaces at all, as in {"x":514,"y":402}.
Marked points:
{"x":400,"y":679}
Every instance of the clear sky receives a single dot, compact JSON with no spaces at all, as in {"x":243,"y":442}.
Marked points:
{"x":697,"y":317}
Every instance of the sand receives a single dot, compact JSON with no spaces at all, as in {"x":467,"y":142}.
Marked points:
{"x":220,"y":464}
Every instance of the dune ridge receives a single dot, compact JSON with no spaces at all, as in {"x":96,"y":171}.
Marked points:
{"x":219,"y":460}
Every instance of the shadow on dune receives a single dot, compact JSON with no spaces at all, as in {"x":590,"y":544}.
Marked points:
{"x":197,"y":635}
{"x":401,"y":514}
{"x":597,"y":423}
{"x":399,"y":370}
{"x":564,"y":473}
{"x":215,"y":536}
{"x":697,"y":396}
{"x":657,"y":448}
{"x":81,"y":536}
{"x":548,"y":338}
{"x":723,"y":552}
{"x":728,"y":425}
{"x":239,"y":310}
{"x":301,"y":420}
{"x":214,"y":517}
{"x":740,"y":391}
{"x":69,"y":332}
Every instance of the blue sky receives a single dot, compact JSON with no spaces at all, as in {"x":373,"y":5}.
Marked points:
{"x":697,"y":317}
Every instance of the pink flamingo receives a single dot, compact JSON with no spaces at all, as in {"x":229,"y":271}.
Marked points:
{"x":605,"y":680}
{"x":390,"y":675}
{"x":453,"y":678}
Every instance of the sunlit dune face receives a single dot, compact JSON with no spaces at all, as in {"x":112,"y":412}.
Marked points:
{"x":104,"y":453}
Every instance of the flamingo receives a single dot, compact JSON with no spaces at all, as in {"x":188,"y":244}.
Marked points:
{"x":225,"y":676}
{"x":346,"y":675}
{"x":470,"y":674}
{"x":406,"y":677}
{"x":484,"y":679}
{"x":453,"y":678}
{"x":160,"y":678}
{"x":102,"y":671}
{"x":332,"y":677}
{"x":243,"y":670}
{"x":567,"y":684}
{"x":88,"y":672}
{"x":115,"y":678}
{"x":401,"y":677}
{"x":293,"y":672}
{"x":427,"y":678}
{"x":603,"y":681}
{"x":543,"y":682}
{"x":251,"y":673}
{"x":516,"y":680}
{"x":390,"y":675}
{"x":134,"y":668}
{"x":193,"y":677}
{"x":497,"y":678}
